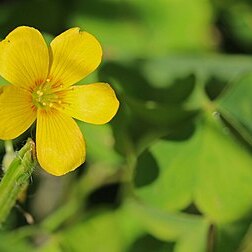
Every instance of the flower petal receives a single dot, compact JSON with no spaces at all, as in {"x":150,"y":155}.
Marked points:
{"x":16,"y":112}
{"x":60,"y":144}
{"x":94,"y":103}
{"x":24,"y":57}
{"x":74,"y":55}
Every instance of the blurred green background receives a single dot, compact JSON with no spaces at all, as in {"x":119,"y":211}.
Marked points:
{"x":173,"y":169}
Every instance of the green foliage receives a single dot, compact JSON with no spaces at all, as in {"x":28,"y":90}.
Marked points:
{"x":173,"y":169}
{"x":209,"y":169}
{"x":235,"y":106}
{"x":145,"y":28}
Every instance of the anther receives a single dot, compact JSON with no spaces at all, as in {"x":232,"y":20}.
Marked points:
{"x":44,"y":103}
{"x":40,"y":93}
{"x":48,"y":80}
{"x":50,"y":104}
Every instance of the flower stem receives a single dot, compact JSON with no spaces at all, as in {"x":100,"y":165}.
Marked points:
{"x":9,"y":155}
{"x":16,"y":177}
{"x":8,"y":146}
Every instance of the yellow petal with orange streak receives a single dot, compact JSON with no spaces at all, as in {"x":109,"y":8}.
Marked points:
{"x":93,"y":103}
{"x":17,"y":112}
{"x":24,"y":57}
{"x":74,"y":55}
{"x":59,"y":142}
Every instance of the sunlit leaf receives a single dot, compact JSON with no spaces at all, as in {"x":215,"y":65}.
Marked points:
{"x":188,"y":231}
{"x":100,"y":143}
{"x":210,"y":169}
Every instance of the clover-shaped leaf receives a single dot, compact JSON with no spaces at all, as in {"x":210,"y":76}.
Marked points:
{"x":210,"y":169}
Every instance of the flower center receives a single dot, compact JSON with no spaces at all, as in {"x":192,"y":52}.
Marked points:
{"x":45,"y":96}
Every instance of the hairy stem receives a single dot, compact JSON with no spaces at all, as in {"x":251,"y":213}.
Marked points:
{"x":15,"y":178}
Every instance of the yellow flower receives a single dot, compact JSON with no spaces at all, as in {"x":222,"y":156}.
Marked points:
{"x":40,"y":88}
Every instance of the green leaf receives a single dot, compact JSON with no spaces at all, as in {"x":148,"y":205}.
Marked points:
{"x":100,"y":144}
{"x":236,"y":105}
{"x":10,"y":243}
{"x":210,"y":169}
{"x":230,"y":236}
{"x":246,"y":244}
{"x":135,"y":81}
{"x":103,"y":231}
{"x":51,"y":245}
{"x":158,"y":114}
{"x":148,"y":243}
{"x":147,"y":111}
{"x":161,"y":71}
{"x":237,"y":20}
{"x":122,"y":229}
{"x":98,"y":234}
{"x":189,"y":231}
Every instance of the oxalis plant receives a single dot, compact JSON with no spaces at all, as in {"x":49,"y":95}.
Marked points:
{"x":39,"y":87}
{"x":177,"y":155}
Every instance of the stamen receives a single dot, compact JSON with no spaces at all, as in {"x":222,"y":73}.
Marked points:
{"x":40,"y":93}
{"x":47,"y":96}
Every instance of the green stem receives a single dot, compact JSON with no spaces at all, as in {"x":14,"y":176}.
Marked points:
{"x":16,"y":178}
{"x":8,"y":146}
{"x":9,"y":155}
